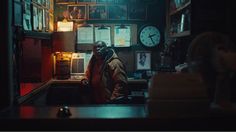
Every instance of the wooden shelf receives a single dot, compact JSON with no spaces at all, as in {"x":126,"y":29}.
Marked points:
{"x":39,"y":35}
{"x":75,"y":3}
{"x":180,"y":8}
{"x":181,"y":34}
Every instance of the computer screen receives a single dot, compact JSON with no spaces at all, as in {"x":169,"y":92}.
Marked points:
{"x":78,"y":64}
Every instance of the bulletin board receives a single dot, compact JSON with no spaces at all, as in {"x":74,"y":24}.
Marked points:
{"x":118,"y":37}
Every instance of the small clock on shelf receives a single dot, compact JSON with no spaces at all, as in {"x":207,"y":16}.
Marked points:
{"x":149,"y":36}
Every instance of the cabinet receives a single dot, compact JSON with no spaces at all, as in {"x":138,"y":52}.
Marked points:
{"x":179,"y":18}
{"x":35,"y":60}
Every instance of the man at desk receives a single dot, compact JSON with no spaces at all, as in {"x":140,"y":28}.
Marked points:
{"x":106,"y":76}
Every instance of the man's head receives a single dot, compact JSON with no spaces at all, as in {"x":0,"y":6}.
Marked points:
{"x":75,"y":8}
{"x":100,"y":49}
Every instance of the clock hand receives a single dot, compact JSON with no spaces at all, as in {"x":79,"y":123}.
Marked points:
{"x":150,"y":36}
{"x":152,"y":40}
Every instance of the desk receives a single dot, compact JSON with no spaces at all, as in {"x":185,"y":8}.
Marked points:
{"x":106,"y":117}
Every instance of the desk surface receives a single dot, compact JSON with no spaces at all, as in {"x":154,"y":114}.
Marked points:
{"x":106,"y":111}
{"x":105,"y":117}
{"x":77,"y":80}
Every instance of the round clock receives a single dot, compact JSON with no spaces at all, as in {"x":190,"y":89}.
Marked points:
{"x":149,"y":36}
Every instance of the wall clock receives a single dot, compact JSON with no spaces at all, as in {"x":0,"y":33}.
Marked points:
{"x":149,"y":36}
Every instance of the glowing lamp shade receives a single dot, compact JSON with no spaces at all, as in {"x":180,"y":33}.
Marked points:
{"x":64,"y":26}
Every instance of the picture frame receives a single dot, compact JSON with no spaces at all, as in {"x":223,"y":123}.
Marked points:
{"x":137,"y":12}
{"x":47,"y":20}
{"x":51,"y":5}
{"x":48,"y":4}
{"x":40,"y":19}
{"x":97,"y":12}
{"x":44,"y":3}
{"x":35,"y":18}
{"x":40,"y":1}
{"x":77,"y":12}
{"x":117,"y":12}
{"x":143,"y":60}
{"x":27,"y":22}
{"x":27,"y":7}
{"x":18,"y":17}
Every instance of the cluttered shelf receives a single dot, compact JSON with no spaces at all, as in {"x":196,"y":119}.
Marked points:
{"x":181,"y":34}
{"x":172,"y":12}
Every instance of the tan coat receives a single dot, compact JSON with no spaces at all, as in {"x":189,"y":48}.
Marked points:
{"x":113,"y":78}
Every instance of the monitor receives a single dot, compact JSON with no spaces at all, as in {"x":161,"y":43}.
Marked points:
{"x":78,"y":64}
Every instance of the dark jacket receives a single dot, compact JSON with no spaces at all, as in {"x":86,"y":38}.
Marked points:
{"x":113,"y":76}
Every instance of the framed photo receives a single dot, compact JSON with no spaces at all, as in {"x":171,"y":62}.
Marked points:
{"x":51,"y":5}
{"x":39,"y":1}
{"x":44,"y":3}
{"x":18,"y":17}
{"x":97,"y":12}
{"x":35,"y":18}
{"x":47,"y":21}
{"x":40,"y":18}
{"x":27,"y":8}
{"x":48,"y":4}
{"x":77,"y":12}
{"x":27,"y":22}
{"x":143,"y":60}
{"x":137,"y":12}
{"x":117,"y":12}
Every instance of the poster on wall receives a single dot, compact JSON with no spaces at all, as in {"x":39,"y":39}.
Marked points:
{"x":39,"y":1}
{"x":35,"y":19}
{"x":117,"y":12}
{"x":27,"y":22}
{"x":122,"y":36}
{"x":40,"y":19}
{"x":103,"y":34}
{"x":27,"y":7}
{"x":47,"y":20}
{"x":143,"y":60}
{"x":85,"y":35}
{"x":77,"y":12}
{"x":97,"y":12}
{"x":137,"y":12}
{"x":17,"y":14}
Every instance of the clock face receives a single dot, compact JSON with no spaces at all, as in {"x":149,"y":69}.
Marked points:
{"x":150,"y":36}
